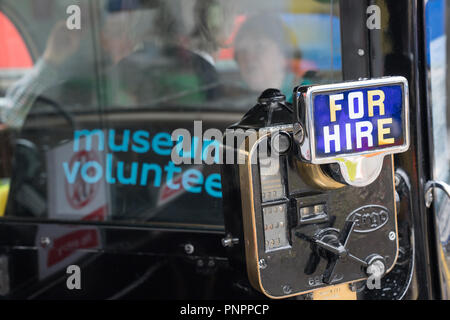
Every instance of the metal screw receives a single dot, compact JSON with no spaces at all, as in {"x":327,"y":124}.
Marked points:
{"x":360,"y":52}
{"x":376,"y":268}
{"x":189,"y":248}
{"x":229,"y":241}
{"x":280,"y":142}
{"x":392,"y":235}
{"x":262,"y":264}
{"x":299,"y":133}
{"x":287,"y":289}
{"x":45,"y":242}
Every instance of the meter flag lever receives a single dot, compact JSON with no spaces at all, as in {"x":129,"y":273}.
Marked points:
{"x":332,"y":245}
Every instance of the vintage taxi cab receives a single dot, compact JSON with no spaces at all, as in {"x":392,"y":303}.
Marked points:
{"x":224,"y":149}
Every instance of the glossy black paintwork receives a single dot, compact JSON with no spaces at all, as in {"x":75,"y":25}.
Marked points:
{"x":398,"y":48}
{"x":407,"y":57}
{"x":154,"y":258}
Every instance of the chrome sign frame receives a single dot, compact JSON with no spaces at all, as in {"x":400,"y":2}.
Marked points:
{"x":370,"y":168}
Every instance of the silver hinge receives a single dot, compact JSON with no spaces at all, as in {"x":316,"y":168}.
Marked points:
{"x":430,"y":185}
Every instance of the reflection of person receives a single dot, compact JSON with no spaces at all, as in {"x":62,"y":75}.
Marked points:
{"x":124,"y":28}
{"x":61,"y":44}
{"x":263,"y":52}
{"x":61,"y":75}
{"x":178,"y":63}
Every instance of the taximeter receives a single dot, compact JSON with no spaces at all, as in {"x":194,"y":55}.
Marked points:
{"x":313,"y":204}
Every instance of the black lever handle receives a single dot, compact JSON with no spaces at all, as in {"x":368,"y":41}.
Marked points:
{"x":327,"y":240}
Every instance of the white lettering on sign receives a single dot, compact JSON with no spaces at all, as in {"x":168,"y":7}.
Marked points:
{"x":358,"y":96}
{"x":348,"y":136}
{"x":332,"y":137}
{"x":363,"y":130}
{"x":367,"y":133}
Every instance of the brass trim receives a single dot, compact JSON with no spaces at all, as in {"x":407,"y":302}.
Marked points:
{"x":336,"y":292}
{"x":249,"y":224}
{"x":395,"y":215}
{"x":315,"y":176}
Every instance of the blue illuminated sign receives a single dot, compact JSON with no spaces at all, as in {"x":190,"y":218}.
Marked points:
{"x":358,"y":120}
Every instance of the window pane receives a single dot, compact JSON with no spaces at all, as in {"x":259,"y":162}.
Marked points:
{"x":91,"y":124}
{"x":437,"y":13}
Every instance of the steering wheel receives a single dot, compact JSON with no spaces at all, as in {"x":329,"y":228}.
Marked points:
{"x":58,"y":108}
